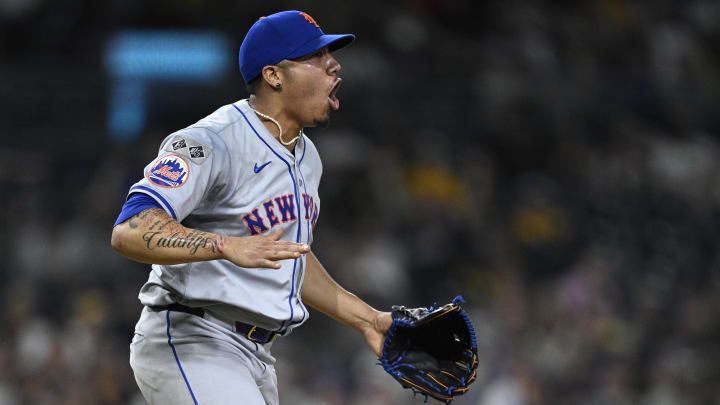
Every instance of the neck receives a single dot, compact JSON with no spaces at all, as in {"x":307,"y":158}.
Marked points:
{"x":274,"y":109}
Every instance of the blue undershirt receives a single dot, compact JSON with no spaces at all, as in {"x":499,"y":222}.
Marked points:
{"x":137,"y":203}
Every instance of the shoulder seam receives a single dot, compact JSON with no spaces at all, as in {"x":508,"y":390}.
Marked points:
{"x":228,"y":125}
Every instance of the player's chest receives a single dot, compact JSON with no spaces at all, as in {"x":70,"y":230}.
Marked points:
{"x":268,"y":173}
{"x":277,"y":190}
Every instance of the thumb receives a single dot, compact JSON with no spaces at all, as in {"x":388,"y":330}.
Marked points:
{"x":275,"y":235}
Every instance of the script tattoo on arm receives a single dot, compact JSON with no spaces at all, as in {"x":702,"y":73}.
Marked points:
{"x":191,"y":241}
{"x":164,"y":232}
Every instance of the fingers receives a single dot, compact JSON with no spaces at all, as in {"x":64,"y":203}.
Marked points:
{"x":277,"y":234}
{"x":269,"y":264}
{"x":282,"y":251}
{"x":282,"y":255}
{"x":263,"y":251}
{"x":293,"y":247}
{"x":264,"y":261}
{"x":280,"y":245}
{"x":270,"y":259}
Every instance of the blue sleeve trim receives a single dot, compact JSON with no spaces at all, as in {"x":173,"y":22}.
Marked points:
{"x":161,"y":199}
{"x":136,"y":204}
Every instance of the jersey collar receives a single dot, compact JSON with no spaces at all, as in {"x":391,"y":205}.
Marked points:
{"x":260,"y":128}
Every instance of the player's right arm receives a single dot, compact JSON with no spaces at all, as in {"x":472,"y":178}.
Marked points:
{"x":153,"y":236}
{"x":191,"y":164}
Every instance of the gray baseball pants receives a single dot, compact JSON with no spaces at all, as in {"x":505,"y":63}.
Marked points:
{"x":184,"y":359}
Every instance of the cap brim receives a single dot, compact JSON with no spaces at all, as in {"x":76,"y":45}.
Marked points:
{"x":333,"y":42}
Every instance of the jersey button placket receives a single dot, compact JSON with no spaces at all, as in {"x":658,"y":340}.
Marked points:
{"x":298,"y":177}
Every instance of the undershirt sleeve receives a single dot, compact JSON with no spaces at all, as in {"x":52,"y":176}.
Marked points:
{"x":134,"y":205}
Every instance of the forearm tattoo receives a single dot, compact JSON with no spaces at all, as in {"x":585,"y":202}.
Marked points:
{"x":168,"y":233}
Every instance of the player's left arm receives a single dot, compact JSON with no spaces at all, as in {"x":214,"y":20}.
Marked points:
{"x":322,"y":293}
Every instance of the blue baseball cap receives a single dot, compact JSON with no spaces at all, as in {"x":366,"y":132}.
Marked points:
{"x":283,"y":35}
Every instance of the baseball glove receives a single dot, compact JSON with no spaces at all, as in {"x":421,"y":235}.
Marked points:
{"x":431,"y":351}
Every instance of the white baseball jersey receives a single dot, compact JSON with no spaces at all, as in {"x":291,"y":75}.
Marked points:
{"x":227,"y":174}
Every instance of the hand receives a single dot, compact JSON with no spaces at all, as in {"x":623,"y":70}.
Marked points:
{"x":260,"y":251}
{"x":375,"y":334}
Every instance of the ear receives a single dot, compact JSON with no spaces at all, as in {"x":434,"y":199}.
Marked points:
{"x":273,"y":76}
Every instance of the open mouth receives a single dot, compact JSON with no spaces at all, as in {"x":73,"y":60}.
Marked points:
{"x":334,"y":101}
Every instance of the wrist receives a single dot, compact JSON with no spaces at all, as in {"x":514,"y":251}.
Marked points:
{"x":370,"y":321}
{"x":222,"y":246}
{"x":382,"y":321}
{"x":376,"y":322}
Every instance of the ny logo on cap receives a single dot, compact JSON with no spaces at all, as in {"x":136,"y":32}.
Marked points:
{"x":309,"y":19}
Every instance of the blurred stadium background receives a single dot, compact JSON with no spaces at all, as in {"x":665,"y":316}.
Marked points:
{"x":556,"y":163}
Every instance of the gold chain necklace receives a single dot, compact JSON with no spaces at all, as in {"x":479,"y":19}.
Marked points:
{"x":279,"y":127}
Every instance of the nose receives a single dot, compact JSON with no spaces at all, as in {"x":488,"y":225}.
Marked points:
{"x":333,"y":65}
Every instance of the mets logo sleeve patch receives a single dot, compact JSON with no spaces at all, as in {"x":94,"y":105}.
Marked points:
{"x":170,"y":171}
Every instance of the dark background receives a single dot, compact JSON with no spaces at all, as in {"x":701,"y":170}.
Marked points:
{"x":556,"y":163}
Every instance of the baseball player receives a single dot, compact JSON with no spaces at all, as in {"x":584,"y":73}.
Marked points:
{"x":225,"y":215}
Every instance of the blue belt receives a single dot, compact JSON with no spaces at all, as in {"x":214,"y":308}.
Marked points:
{"x":251,"y":332}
